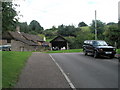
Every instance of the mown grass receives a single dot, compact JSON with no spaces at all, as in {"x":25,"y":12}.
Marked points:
{"x":12,"y":64}
{"x":65,"y":51}
{"x":0,"y":70}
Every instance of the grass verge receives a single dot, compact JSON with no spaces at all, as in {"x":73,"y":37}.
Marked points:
{"x":65,"y":51}
{"x":0,"y":70}
{"x":12,"y":64}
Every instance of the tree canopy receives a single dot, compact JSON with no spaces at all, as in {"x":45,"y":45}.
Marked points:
{"x":35,"y":26}
{"x":82,"y":24}
{"x":100,"y":28}
{"x":8,"y":16}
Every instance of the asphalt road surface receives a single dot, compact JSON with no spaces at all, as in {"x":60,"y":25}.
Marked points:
{"x":88,"y":72}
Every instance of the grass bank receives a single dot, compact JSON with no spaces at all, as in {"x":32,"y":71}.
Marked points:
{"x":12,"y":64}
{"x":65,"y":51}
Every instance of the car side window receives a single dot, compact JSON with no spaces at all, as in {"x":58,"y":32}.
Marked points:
{"x":95,"y":43}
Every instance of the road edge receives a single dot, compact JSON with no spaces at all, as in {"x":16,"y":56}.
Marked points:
{"x":66,"y":77}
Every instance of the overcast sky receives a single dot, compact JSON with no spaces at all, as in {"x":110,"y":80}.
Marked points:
{"x":67,"y":12}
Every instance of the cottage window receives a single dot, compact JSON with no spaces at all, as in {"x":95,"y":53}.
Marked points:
{"x":8,"y":41}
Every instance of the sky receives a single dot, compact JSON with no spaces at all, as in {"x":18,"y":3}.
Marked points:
{"x":68,"y":12}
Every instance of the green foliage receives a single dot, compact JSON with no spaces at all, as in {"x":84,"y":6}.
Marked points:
{"x":66,"y":30}
{"x":82,"y":24}
{"x":111,"y":23}
{"x":82,"y":36}
{"x":100,"y":29}
{"x":48,"y":40}
{"x":118,"y":51}
{"x":72,"y":42}
{"x":8,"y":16}
{"x":76,"y":36}
{"x":24,"y":27}
{"x":35,"y":27}
{"x":66,"y":51}
{"x":11,"y":66}
{"x":112,"y":34}
{"x":41,"y":35}
{"x":33,"y":32}
{"x":50,"y":33}
{"x":119,"y":24}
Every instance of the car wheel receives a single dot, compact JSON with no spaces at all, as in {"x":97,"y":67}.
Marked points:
{"x":119,"y":59}
{"x":112,"y":56}
{"x":85,"y":52}
{"x":95,"y":54}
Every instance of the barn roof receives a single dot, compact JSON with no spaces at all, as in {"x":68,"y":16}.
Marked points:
{"x":58,"y":38}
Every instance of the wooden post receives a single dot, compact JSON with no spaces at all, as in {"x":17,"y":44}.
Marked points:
{"x":67,"y":46}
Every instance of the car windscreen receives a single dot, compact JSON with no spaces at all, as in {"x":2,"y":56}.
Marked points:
{"x":100,"y":43}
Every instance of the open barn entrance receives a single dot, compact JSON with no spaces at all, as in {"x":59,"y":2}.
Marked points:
{"x":59,"y":43}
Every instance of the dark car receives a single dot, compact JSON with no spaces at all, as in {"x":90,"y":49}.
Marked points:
{"x":98,"y":48}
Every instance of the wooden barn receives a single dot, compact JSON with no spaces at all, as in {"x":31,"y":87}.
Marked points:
{"x":59,"y":43}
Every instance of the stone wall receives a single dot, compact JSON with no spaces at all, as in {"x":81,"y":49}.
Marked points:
{"x":3,"y":42}
{"x":20,"y":46}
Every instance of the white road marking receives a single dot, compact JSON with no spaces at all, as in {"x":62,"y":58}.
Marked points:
{"x":66,"y":77}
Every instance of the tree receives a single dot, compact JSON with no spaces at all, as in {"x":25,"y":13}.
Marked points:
{"x":100,"y":28}
{"x":111,"y":23}
{"x":36,"y":27}
{"x":81,"y":24}
{"x":0,"y":18}
{"x":24,"y":27}
{"x":119,"y":24}
{"x":66,"y":30}
{"x":50,"y":33}
{"x":112,"y":34}
{"x":82,"y":36}
{"x":8,"y":16}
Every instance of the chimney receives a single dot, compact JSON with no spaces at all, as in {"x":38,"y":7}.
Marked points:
{"x":18,"y":29}
{"x":44,"y":38}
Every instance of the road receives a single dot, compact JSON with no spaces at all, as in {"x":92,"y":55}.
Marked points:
{"x":88,"y":72}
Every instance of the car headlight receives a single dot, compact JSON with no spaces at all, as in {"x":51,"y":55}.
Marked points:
{"x":114,"y":49}
{"x":100,"y":49}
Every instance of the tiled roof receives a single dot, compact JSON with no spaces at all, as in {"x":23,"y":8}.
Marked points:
{"x":20,"y":37}
{"x":23,"y":37}
{"x":30,"y":37}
